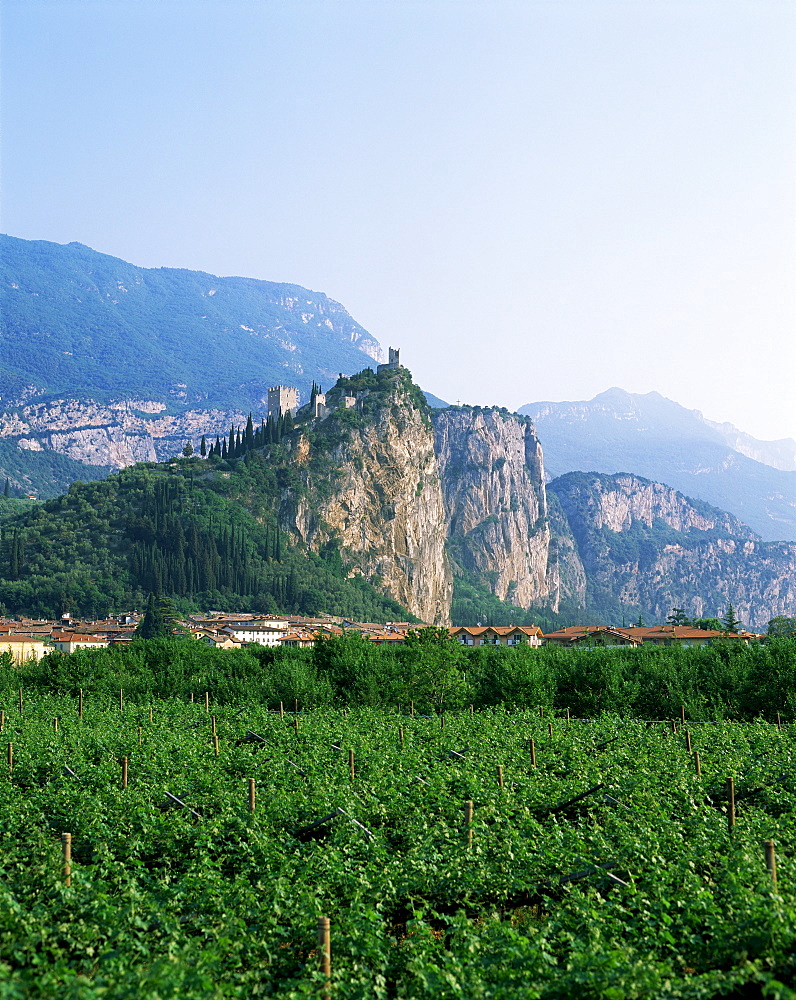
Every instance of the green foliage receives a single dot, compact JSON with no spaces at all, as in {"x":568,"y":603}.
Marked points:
{"x":782,"y":627}
{"x":634,"y":890}
{"x":203,"y":533}
{"x":45,"y":473}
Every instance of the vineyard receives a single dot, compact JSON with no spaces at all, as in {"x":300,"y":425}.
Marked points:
{"x":491,"y":854}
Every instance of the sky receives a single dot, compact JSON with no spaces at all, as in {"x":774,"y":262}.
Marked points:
{"x":533,"y":200}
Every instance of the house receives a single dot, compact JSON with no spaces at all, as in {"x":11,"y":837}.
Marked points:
{"x":497,"y":635}
{"x":297,"y":640}
{"x":69,"y":642}
{"x":638,"y":635}
{"x":22,"y":647}
{"x":591,"y":635}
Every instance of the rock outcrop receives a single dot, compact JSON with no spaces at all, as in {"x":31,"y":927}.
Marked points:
{"x":114,"y":434}
{"x":493,"y":484}
{"x":376,"y":492}
{"x":645,"y":546}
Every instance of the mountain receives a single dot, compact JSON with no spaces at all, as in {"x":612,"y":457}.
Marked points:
{"x":656,"y":438}
{"x":109,"y":364}
{"x":369,"y":504}
{"x":646,"y":548}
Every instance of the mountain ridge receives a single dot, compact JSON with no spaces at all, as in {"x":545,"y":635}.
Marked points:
{"x":656,"y":438}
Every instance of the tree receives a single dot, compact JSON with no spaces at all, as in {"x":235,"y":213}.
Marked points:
{"x":188,"y":450}
{"x":203,"y":447}
{"x":7,"y":490}
{"x":707,"y":624}
{"x":678,"y":617}
{"x":160,"y":619}
{"x":782,"y":627}
{"x":729,"y":623}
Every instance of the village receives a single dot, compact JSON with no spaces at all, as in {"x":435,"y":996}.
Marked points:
{"x":26,"y":638}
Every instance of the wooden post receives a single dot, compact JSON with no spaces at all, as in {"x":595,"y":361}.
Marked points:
{"x":533,"y":752}
{"x":55,"y":725}
{"x":20,"y":701}
{"x":139,"y":736}
{"x":215,"y":745}
{"x":10,"y":759}
{"x":541,"y":712}
{"x":295,"y":705}
{"x":499,"y":770}
{"x":567,"y":716}
{"x":412,"y":709}
{"x":688,"y":740}
{"x":779,"y":721}
{"x":468,"y":822}
{"x":351,"y":763}
{"x":124,"y":772}
{"x":674,"y":726}
{"x":207,"y":702}
{"x":281,"y":710}
{"x":442,"y":722}
{"x":66,"y":847}
{"x":325,"y":955}
{"x":472,"y":711}
{"x":80,"y":704}
{"x":192,"y":699}
{"x":550,"y":730}
{"x":697,"y":764}
{"x":401,"y":734}
{"x":251,"y":795}
{"x":214,"y":725}
{"x":345,"y":713}
{"x":682,"y":714}
{"x":121,"y":700}
{"x":150,"y":713}
{"x":771,"y":859}
{"x":295,"y":723}
{"x":730,"y":804}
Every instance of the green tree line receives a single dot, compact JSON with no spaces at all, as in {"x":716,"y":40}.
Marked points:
{"x":727,"y":680}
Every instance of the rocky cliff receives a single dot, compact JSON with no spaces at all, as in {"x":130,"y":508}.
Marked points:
{"x":645,"y":546}
{"x":369,"y":480}
{"x":493,"y":485}
{"x":114,"y":434}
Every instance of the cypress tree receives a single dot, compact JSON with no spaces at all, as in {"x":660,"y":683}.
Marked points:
{"x":7,"y":489}
{"x":218,"y":446}
{"x":224,"y":448}
{"x":231,"y":445}
{"x":203,"y":447}
{"x":248,"y":440}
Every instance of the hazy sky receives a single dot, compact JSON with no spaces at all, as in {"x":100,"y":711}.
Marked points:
{"x":533,"y":200}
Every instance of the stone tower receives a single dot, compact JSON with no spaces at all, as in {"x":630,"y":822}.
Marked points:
{"x":281,"y":399}
{"x":394,"y":363}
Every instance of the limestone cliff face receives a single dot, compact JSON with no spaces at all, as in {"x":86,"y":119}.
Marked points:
{"x":493,"y":484}
{"x":380,"y":498}
{"x":116,"y":434}
{"x":643,"y":544}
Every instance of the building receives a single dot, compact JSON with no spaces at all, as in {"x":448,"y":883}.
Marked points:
{"x":497,"y":635}
{"x":282,"y":399}
{"x":642,"y":635}
{"x":70,"y":642}
{"x":394,"y":362}
{"x":21,"y":647}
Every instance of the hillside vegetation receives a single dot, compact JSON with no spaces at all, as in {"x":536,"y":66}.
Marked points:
{"x":204,"y":532}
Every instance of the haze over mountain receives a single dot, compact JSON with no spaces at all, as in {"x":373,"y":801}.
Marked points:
{"x":654,"y":437}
